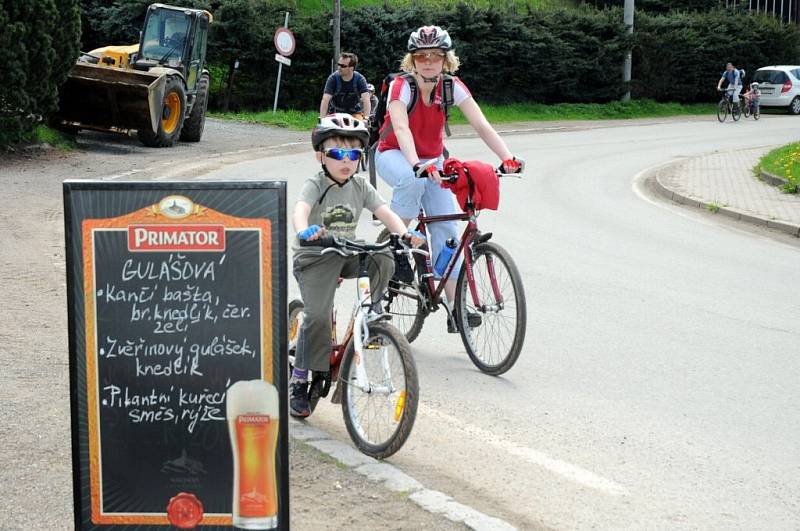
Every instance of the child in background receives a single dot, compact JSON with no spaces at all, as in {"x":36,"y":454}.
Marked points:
{"x":752,"y":97}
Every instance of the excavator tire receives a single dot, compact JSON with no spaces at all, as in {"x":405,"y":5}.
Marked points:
{"x":193,"y":128}
{"x":172,"y":116}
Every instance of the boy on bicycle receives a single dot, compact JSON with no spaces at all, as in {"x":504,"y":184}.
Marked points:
{"x":331,"y":202}
{"x":752,"y":97}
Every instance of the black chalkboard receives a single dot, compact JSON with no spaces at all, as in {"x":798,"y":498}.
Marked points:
{"x":176,"y":291}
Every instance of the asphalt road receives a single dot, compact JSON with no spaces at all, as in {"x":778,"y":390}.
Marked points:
{"x":657,"y":385}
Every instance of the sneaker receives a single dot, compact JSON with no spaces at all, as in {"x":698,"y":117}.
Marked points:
{"x":402,"y":269}
{"x":376,"y":313}
{"x":474,"y":320}
{"x":298,"y":401}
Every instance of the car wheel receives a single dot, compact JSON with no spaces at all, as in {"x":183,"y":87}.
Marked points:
{"x":794,"y":107}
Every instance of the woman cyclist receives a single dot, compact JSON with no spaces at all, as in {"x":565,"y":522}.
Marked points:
{"x":409,"y":139}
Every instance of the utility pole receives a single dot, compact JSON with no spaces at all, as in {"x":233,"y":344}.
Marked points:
{"x":337,"y":31}
{"x":626,"y":69}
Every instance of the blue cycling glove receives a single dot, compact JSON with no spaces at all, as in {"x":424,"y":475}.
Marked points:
{"x":309,"y":232}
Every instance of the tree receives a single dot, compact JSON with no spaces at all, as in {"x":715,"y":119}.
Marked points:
{"x":38,"y":45}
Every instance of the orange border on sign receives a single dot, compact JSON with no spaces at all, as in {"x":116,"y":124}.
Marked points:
{"x":151,"y":215}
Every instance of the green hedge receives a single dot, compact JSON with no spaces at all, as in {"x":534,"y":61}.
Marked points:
{"x":680,"y":56}
{"x":38,"y":44}
{"x":508,"y":55}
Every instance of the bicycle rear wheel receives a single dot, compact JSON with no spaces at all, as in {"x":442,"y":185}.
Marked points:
{"x":379,"y":420}
{"x":295,"y":322}
{"x":746,"y":111}
{"x":736,"y":111}
{"x":373,"y":174}
{"x":722,"y":110}
{"x":492,"y":331}
{"x":756,"y":113}
{"x":403,"y":301}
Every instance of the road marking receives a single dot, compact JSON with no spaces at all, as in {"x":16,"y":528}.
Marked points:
{"x":557,"y":466}
{"x":396,"y":480}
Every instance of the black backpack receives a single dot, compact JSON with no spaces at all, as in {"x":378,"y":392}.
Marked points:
{"x":383,"y":101}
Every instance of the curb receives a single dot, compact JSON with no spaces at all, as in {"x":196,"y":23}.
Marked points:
{"x":772,"y":179}
{"x":787,"y":228}
{"x":396,"y":480}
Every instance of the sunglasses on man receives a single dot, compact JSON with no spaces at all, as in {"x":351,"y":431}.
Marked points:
{"x":340,"y":65}
{"x":340,"y":153}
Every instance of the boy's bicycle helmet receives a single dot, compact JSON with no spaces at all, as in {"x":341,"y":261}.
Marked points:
{"x":339,"y":125}
{"x":429,"y":37}
{"x":754,"y":85}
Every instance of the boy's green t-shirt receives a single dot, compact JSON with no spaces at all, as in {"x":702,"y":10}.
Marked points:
{"x":340,"y":208}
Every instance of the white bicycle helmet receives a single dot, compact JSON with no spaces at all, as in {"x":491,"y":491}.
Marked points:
{"x":341,"y":125}
{"x":429,"y":37}
{"x":754,"y":85}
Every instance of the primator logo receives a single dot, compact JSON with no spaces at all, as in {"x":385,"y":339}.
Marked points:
{"x":176,"y":238}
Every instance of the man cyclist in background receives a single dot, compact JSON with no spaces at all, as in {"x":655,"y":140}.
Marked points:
{"x":346,"y":90}
{"x":733,"y":77}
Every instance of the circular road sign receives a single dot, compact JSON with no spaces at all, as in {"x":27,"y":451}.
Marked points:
{"x":284,"y":41}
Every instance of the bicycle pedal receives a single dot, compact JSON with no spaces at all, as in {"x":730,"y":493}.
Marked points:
{"x":336,"y":397}
{"x":474,"y":320}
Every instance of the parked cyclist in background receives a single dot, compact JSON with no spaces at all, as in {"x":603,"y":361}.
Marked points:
{"x":331,"y":202}
{"x":373,"y":101}
{"x":346,"y":90}
{"x":752,"y":97}
{"x":733,"y":77}
{"x":407,"y":140}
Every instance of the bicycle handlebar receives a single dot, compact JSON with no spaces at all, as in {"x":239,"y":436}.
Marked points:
{"x":345,"y":246}
{"x":451,"y":178}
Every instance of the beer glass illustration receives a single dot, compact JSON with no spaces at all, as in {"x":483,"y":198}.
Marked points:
{"x":252,"y":411}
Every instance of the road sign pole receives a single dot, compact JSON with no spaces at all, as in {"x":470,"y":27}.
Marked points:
{"x":280,"y":70}
{"x":626,"y":68}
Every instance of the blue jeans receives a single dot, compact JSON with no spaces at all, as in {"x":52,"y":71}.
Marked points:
{"x":411,"y":193}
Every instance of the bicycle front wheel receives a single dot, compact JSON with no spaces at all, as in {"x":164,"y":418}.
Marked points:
{"x":379,"y":419}
{"x":493,"y":327}
{"x":746,"y":111}
{"x":722,"y":111}
{"x":756,"y":113}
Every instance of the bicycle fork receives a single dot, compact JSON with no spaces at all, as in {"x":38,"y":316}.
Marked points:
{"x":361,"y":331}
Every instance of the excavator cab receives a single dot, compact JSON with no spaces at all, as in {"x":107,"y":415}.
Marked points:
{"x":158,"y":87}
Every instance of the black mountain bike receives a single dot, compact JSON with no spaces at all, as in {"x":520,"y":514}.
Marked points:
{"x":727,"y":106}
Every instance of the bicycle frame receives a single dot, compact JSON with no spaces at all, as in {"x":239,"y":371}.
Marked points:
{"x":470,"y":233}
{"x":357,"y":330}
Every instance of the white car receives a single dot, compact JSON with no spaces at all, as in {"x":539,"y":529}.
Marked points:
{"x":780,"y":87}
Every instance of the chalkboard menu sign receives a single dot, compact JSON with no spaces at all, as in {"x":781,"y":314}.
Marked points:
{"x":177,"y":297}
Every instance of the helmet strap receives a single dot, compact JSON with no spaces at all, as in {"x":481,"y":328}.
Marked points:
{"x":334,"y":183}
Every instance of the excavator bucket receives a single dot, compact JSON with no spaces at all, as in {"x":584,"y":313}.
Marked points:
{"x":111,"y":99}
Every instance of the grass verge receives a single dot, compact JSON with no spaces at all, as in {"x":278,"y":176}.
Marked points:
{"x":496,"y":114}
{"x":784,"y":162}
{"x":41,"y":134}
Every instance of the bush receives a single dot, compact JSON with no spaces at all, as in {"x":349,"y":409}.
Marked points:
{"x":508,"y":55}
{"x":38,"y":45}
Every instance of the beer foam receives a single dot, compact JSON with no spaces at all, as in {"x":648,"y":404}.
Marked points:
{"x":252,"y":396}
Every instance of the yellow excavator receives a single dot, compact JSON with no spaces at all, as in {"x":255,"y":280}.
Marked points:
{"x":158,"y":87}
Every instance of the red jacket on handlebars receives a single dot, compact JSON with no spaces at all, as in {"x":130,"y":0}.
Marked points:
{"x":486,"y":192}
